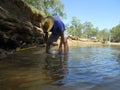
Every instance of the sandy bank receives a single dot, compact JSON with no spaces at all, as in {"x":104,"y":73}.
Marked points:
{"x":87,"y":42}
{"x":82,"y":42}
{"x":112,"y":43}
{"x":74,"y":43}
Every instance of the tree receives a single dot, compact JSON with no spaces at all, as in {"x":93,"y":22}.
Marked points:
{"x":49,"y":7}
{"x":115,"y":33}
{"x":94,"y":31}
{"x":70,"y":29}
{"x":87,"y":29}
{"x":103,"y":35}
{"x":75,"y":28}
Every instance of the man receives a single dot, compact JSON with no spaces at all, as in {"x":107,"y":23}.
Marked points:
{"x":57,"y":28}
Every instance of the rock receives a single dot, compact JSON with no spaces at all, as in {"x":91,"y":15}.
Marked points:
{"x":5,"y":25}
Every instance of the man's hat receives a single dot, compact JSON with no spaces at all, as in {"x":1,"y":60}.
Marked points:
{"x":47,"y":23}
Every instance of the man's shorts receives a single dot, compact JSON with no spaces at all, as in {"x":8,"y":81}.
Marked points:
{"x":66,"y":33}
{"x":54,"y":37}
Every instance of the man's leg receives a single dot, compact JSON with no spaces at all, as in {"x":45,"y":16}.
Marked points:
{"x":66,"y":48}
{"x":60,"y":46}
{"x":63,"y":41}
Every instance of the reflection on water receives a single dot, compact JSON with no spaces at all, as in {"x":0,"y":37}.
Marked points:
{"x":55,"y":68}
{"x":85,"y":68}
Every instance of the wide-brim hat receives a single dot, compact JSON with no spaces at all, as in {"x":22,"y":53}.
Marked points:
{"x":47,"y":23}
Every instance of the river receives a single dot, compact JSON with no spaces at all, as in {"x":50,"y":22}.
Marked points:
{"x":84,"y":68}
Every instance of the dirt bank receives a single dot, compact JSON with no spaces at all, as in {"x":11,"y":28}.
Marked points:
{"x":82,"y":42}
{"x":74,"y":43}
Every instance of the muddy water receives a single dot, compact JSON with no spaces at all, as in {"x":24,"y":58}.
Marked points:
{"x":84,"y":68}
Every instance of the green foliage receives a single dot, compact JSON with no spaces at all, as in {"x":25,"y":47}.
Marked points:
{"x":87,"y":29}
{"x":35,"y":10}
{"x":49,"y":7}
{"x":115,"y":33}
{"x":103,"y":35}
{"x":76,"y":28}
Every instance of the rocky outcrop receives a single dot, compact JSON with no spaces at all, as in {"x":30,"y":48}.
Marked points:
{"x":19,"y":25}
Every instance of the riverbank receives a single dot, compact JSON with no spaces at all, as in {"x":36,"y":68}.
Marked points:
{"x":87,"y":42}
{"x":82,"y":42}
{"x":112,"y":43}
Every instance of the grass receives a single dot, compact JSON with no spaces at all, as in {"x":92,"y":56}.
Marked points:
{"x":35,"y":10}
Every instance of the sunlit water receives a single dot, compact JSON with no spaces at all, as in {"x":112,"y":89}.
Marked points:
{"x":84,"y":68}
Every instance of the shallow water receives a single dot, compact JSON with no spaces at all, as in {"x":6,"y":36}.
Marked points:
{"x":84,"y":68}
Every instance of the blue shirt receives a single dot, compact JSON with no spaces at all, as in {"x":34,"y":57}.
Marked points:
{"x":58,"y":26}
